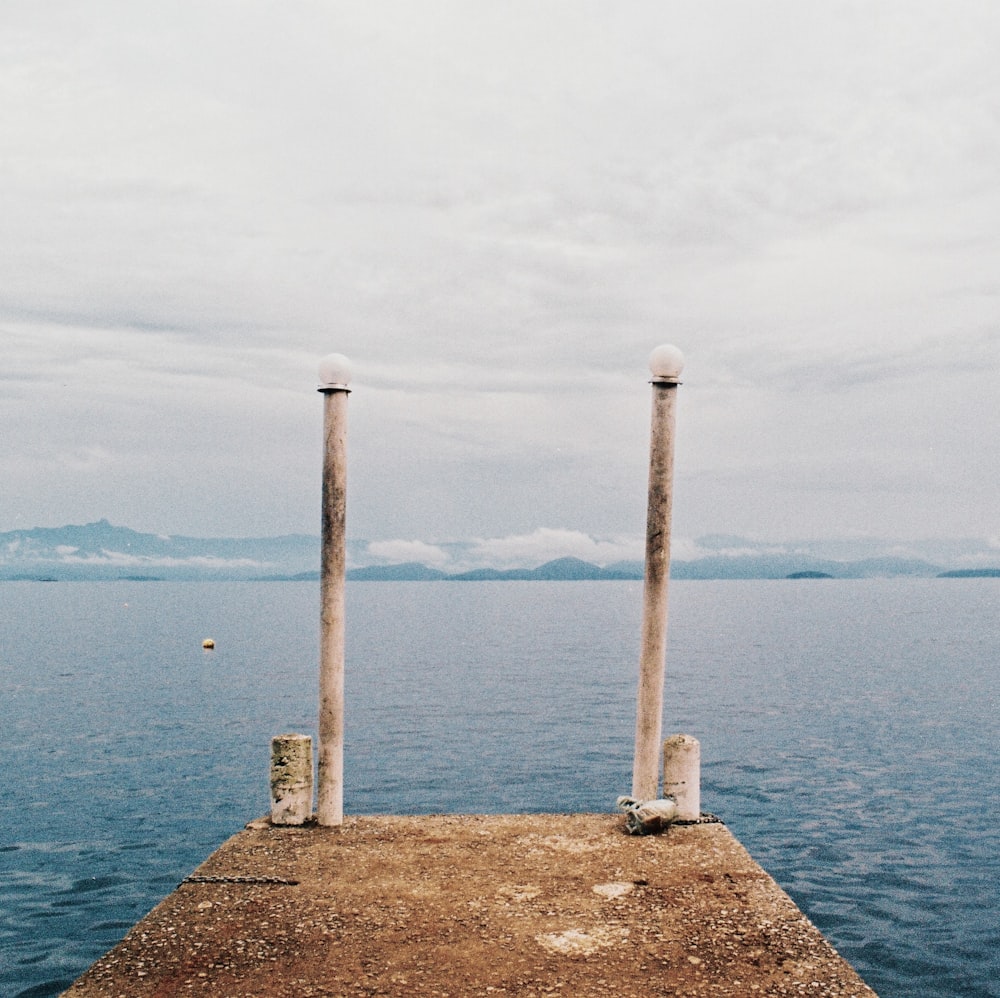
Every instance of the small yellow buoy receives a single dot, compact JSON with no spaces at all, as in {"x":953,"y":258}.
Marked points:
{"x":208,"y":643}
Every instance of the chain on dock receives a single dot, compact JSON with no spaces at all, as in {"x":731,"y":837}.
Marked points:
{"x":705,"y":818}
{"x":239,"y":880}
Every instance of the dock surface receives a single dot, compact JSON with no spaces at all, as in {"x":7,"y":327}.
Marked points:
{"x":460,"y":905}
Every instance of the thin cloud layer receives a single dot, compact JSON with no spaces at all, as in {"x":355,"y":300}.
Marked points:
{"x":403,"y":552}
{"x":513,"y":551}
{"x":547,"y":544}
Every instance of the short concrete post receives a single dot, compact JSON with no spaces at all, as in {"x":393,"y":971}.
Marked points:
{"x":666,"y":364}
{"x":682,"y":774}
{"x":291,"y":779}
{"x":335,"y":375}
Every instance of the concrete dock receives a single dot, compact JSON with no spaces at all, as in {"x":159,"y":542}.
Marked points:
{"x":456,"y":905}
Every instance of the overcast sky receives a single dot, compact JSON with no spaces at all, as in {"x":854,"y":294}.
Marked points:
{"x":497,"y":210}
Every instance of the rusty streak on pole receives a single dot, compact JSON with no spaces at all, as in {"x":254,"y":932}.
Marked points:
{"x":335,"y":375}
{"x":665,"y":363}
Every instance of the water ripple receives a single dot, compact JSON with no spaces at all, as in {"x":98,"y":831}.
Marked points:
{"x":862,"y":774}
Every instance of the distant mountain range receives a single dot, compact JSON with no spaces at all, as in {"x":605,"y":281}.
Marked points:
{"x":574,"y":569}
{"x":101,"y":551}
{"x":97,"y":551}
{"x":559,"y":570}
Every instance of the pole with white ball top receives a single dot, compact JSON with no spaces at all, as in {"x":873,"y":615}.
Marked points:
{"x":335,"y":376}
{"x":666,"y":364}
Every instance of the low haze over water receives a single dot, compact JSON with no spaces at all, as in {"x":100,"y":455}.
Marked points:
{"x":848,"y":730}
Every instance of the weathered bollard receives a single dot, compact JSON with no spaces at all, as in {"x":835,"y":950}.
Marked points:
{"x":291,"y":779}
{"x":666,"y":364}
{"x":682,"y":775}
{"x":335,"y":375}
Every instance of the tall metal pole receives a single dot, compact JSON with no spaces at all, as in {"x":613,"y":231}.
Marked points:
{"x":335,"y":375}
{"x":666,"y":364}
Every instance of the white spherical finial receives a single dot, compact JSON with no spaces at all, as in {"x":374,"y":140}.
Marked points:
{"x":334,"y":371}
{"x":666,"y":363}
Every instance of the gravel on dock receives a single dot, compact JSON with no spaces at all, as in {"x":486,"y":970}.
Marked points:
{"x":458,"y":905}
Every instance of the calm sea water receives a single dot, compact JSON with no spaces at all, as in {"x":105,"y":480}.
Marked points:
{"x":849,"y":737}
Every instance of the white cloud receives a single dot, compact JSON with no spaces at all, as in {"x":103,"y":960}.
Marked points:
{"x":123,"y":559}
{"x":401,"y":552}
{"x":685,"y":549}
{"x":546,"y":544}
{"x":17,"y":552}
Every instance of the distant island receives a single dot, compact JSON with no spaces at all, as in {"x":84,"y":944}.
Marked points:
{"x":971,"y":573}
{"x":101,"y":551}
